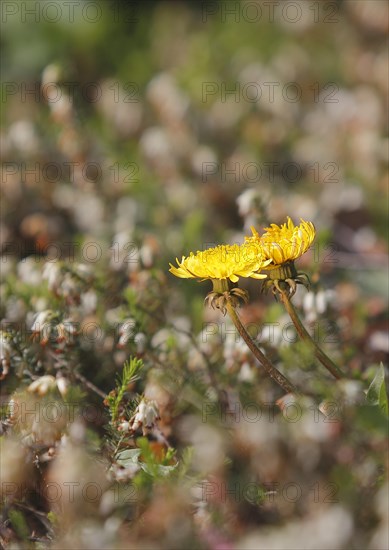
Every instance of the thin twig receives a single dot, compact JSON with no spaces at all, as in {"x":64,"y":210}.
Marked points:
{"x":89,"y":385}
{"x":208,"y":364}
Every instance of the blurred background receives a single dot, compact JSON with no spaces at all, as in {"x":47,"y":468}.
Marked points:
{"x":135,"y":132}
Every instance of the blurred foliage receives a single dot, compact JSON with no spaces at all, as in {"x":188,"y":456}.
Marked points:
{"x":129,"y":138}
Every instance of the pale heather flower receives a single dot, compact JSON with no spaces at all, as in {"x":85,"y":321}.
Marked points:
{"x":42,"y":324}
{"x":52,"y":273}
{"x":145,"y":416}
{"x":140,"y":341}
{"x":43,"y":385}
{"x":126,"y":332}
{"x":5,"y":347}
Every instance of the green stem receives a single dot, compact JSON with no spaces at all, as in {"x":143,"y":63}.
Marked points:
{"x":267,"y":365}
{"x":306,"y":337}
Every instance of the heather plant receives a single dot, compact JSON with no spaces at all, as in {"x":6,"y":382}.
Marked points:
{"x":238,"y":398}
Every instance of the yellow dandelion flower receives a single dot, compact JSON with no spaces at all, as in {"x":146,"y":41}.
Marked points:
{"x":281,"y":245}
{"x":222,"y":262}
{"x":284,"y":243}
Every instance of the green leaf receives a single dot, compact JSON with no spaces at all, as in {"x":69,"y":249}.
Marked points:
{"x":158,"y":469}
{"x":150,"y":466}
{"x":53,"y":518}
{"x":19,"y":523}
{"x":129,"y":456}
{"x":376,"y":394}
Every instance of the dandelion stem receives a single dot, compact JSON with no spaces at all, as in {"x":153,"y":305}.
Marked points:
{"x":306,"y":337}
{"x":267,"y":365}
